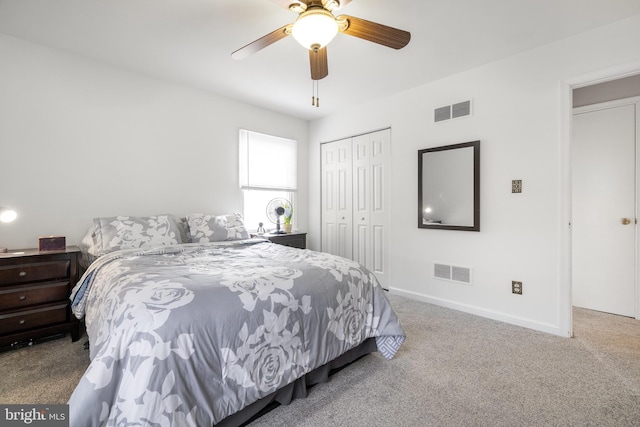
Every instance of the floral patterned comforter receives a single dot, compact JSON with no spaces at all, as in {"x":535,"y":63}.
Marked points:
{"x":187,"y":335}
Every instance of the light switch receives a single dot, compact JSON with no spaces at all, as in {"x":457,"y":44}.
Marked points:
{"x":516,"y":186}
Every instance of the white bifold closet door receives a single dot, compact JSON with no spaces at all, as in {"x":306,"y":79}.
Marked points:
{"x":336,"y":198}
{"x":354,"y":199}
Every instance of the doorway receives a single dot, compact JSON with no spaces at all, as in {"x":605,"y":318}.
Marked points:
{"x":602,"y":236}
{"x":603,"y":225}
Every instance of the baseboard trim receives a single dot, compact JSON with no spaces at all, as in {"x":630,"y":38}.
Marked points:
{"x":478,"y":311}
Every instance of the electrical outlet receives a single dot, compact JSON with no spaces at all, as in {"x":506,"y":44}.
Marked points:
{"x":516,"y":287}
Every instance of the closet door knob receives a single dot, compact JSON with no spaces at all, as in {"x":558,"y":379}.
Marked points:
{"x":625,"y":221}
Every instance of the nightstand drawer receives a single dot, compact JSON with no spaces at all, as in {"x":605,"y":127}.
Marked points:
{"x":292,"y":241}
{"x":23,"y":296}
{"x":34,"y":272}
{"x":295,"y":240}
{"x":29,"y":319}
{"x":34,"y":295}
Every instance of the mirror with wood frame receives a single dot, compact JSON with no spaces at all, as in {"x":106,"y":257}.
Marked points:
{"x":449,"y":187}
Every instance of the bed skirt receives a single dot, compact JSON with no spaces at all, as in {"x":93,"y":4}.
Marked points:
{"x":298,"y":388}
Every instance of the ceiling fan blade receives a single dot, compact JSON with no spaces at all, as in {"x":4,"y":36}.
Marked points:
{"x":262,"y":42}
{"x":374,"y":32}
{"x":319,"y":65}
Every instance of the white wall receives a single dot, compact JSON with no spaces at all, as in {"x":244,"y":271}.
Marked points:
{"x":80,"y":139}
{"x":518,"y":116}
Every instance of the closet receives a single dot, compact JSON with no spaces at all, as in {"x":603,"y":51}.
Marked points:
{"x":355,"y":188}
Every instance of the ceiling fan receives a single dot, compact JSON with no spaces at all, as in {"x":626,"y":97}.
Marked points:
{"x":316,"y":26}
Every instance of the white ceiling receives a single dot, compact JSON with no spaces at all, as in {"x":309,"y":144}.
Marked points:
{"x":191,"y":41}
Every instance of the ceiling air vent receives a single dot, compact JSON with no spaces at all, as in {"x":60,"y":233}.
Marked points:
{"x":454,"y":111}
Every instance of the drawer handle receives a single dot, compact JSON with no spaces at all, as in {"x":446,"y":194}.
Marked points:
{"x":22,"y":297}
{"x":22,"y":322}
{"x":22,"y":273}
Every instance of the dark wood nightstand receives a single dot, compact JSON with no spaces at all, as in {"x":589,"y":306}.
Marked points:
{"x":34,"y":294}
{"x":295,"y":240}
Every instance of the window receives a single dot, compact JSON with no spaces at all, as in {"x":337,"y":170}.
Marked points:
{"x":268,"y":169}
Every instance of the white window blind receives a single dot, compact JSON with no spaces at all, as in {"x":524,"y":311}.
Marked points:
{"x":267,"y":162}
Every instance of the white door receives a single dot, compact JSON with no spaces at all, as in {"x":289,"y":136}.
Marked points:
{"x":336,"y":196}
{"x":328,"y":156}
{"x":379,"y":212}
{"x":361,"y":202}
{"x":370,"y":192}
{"x":344,"y":203}
{"x":603,"y":225}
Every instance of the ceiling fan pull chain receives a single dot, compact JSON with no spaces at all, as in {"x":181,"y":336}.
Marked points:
{"x":317,"y":93}
{"x":315,"y":99}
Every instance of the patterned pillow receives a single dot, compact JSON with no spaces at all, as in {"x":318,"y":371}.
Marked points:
{"x":127,"y":232}
{"x":216,"y":228}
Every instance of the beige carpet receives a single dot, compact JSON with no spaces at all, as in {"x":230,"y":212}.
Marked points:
{"x":43,"y":373}
{"x":455,"y":369}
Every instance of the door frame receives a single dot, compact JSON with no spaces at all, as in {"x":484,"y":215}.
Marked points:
{"x":566,"y":111}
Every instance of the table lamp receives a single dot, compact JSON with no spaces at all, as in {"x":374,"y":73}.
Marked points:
{"x":7,"y":215}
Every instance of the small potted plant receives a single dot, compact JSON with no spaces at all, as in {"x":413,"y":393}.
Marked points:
{"x":288,"y":212}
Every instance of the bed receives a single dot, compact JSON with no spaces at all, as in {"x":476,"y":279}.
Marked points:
{"x":193,"y":323}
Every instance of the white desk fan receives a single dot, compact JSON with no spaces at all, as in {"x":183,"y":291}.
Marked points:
{"x":275,"y":209}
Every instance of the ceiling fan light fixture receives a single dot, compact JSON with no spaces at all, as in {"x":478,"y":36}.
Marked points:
{"x":315,"y":28}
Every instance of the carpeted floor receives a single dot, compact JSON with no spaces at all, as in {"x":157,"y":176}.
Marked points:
{"x":44,"y":373}
{"x":454,"y":369}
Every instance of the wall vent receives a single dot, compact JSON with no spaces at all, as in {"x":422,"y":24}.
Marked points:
{"x":442,"y":271}
{"x":454,"y":111}
{"x":461,"y":109}
{"x":452,"y":273}
{"x":442,"y":113}
{"x":460,"y":274}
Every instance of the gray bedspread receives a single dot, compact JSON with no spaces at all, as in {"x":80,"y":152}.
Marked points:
{"x":187,"y":335}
